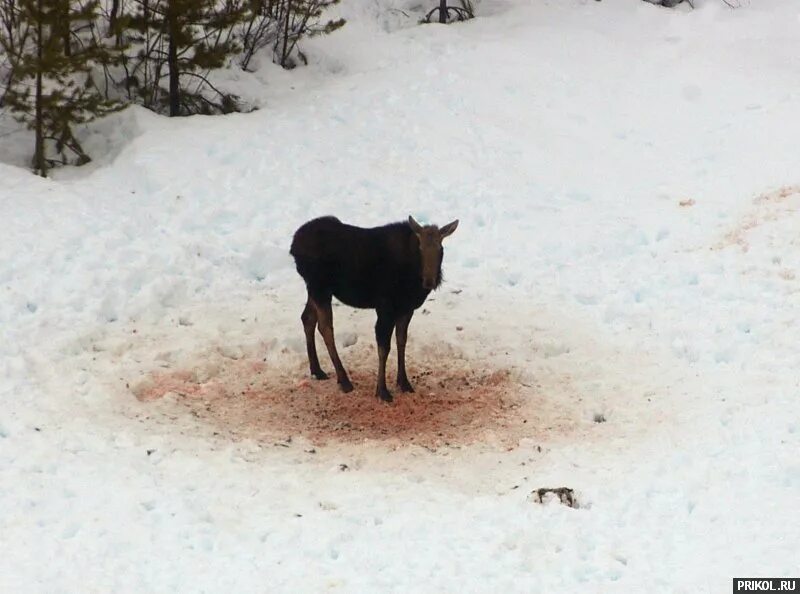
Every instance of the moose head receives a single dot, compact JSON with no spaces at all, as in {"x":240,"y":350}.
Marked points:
{"x":430,"y":246}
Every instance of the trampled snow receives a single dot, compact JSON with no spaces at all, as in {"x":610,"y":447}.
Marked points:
{"x":628,"y":185}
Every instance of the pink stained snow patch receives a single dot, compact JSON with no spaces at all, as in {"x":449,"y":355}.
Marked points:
{"x":453,"y":404}
{"x":767,"y":207}
{"x":158,"y":384}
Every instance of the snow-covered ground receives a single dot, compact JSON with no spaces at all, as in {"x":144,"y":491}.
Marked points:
{"x":628,"y":184}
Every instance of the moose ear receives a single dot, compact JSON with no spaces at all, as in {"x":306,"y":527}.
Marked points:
{"x":448,"y":229}
{"x":415,"y":226}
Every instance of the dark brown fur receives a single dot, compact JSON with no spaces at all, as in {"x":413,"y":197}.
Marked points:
{"x":390,"y":269}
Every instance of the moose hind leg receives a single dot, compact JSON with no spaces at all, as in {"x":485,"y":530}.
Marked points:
{"x":402,"y":336}
{"x":325,"y":323}
{"x":383,"y":336}
{"x":309,"y":318}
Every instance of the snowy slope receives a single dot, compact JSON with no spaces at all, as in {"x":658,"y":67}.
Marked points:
{"x":627,"y":183}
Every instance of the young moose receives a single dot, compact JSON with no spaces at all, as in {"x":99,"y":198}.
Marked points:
{"x":390,"y":269}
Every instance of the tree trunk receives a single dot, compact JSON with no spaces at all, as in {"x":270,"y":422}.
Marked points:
{"x":65,"y":28}
{"x":443,"y":11}
{"x":112,"y":18}
{"x":172,"y":62}
{"x":39,"y":163}
{"x":285,"y":51}
{"x":112,"y":22}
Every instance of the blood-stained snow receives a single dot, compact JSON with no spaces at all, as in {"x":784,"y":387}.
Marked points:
{"x":619,"y":316}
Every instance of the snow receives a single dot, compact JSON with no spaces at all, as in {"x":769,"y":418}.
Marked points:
{"x":626,"y":181}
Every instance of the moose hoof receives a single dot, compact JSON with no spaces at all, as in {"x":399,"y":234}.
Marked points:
{"x":383,"y":394}
{"x":320,"y":375}
{"x":405,"y":386}
{"x":346,"y":386}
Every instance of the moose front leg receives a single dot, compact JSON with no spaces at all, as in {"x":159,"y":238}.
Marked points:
{"x":402,"y":336}
{"x":383,"y":336}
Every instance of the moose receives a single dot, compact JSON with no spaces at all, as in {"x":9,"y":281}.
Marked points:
{"x":390,"y":269}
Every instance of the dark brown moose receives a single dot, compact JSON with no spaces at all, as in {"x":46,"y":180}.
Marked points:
{"x":390,"y":269}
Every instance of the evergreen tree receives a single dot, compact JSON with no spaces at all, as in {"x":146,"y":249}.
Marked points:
{"x":14,"y":35}
{"x":281,"y":24}
{"x":180,"y":41}
{"x":50,"y":85}
{"x":297,"y":19}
